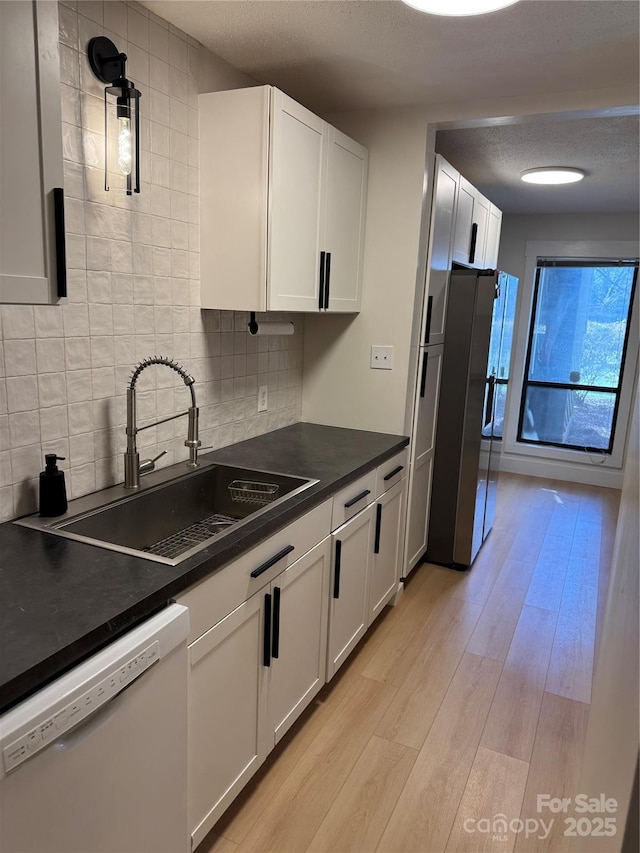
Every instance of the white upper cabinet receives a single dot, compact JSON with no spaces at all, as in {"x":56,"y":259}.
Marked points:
{"x":443,"y":212}
{"x":472,"y":227}
{"x":346,"y":191}
{"x":296,"y":187}
{"x":493,"y":238}
{"x":282,"y":202}
{"x":32,"y":259}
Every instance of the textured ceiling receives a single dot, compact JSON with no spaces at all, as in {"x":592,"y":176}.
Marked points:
{"x":359,"y":54}
{"x":492,"y":158}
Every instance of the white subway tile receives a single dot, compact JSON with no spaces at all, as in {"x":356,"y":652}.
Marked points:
{"x":99,"y":287}
{"x":83,"y":480}
{"x":77,"y":352}
{"x":22,"y":393}
{"x":122,"y":320}
{"x":125,"y":348}
{"x":100,"y":320}
{"x":17,"y":321}
{"x":81,"y":449}
{"x":48,"y":321}
{"x":79,"y":386}
{"x":52,"y":389}
{"x":103,"y":382}
{"x":24,"y":428}
{"x":115,"y":17}
{"x":121,"y":260}
{"x":138,"y":66}
{"x":26,"y":462}
{"x":19,"y":357}
{"x":76,"y":251}
{"x":53,"y":423}
{"x":158,"y":39}
{"x":138,"y":29}
{"x":50,"y":355}
{"x":178,"y":52}
{"x":102,"y":351}
{"x":142,"y":259}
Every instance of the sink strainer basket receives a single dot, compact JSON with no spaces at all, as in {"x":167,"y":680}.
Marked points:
{"x":250,"y":491}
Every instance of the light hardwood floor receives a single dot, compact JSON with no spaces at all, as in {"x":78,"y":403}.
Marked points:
{"x":465,"y":701}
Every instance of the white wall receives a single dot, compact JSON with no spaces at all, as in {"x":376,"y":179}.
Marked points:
{"x":133,"y":279}
{"x":340,"y":388}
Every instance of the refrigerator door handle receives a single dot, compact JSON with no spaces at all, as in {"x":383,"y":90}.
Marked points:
{"x":488,"y":412}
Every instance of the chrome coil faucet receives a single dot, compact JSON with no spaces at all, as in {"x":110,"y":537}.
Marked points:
{"x":133,"y":468}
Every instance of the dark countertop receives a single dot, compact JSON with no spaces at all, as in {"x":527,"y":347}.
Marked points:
{"x":63,"y":600}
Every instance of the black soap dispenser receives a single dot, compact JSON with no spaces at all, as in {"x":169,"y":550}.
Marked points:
{"x":53,"y":493}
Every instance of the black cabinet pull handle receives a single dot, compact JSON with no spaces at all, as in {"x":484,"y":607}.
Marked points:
{"x":474,"y":238}
{"x":423,"y":380}
{"x":61,"y":246}
{"x":376,"y":546}
{"x":427,"y":330}
{"x":272,"y":561}
{"x":321,"y":288}
{"x":327,"y":263}
{"x":275,"y":642}
{"x":266,"y":631}
{"x":336,"y":573}
{"x":357,"y":498}
{"x":395,"y":470}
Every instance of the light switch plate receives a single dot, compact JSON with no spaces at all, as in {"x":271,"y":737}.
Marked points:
{"x":382,"y":358}
{"x":262,"y":398}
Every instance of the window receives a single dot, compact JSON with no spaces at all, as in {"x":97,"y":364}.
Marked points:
{"x":576,"y":351}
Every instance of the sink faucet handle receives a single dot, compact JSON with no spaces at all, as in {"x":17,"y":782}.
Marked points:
{"x":148,"y":465}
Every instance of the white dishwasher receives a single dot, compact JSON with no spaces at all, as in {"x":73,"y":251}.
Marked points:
{"x":96,"y":761}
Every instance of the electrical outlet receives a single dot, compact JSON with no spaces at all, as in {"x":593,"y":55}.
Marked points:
{"x":262,"y":398}
{"x":382,"y":358}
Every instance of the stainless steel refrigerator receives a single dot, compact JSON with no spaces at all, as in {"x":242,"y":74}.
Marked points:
{"x":465,"y":472}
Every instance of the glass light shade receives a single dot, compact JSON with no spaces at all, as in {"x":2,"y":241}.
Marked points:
{"x":552,"y":175}
{"x":458,"y":8}
{"x":122,"y":138}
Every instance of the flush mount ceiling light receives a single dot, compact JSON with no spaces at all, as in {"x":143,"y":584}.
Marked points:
{"x":121,"y":116}
{"x":552,"y":175}
{"x":458,"y":7}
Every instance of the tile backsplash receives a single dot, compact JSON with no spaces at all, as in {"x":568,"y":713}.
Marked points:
{"x":133,"y":283}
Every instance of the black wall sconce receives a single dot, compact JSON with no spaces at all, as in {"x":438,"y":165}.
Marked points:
{"x":121,"y":115}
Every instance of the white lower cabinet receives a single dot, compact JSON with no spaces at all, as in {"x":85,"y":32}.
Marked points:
{"x":226,"y":695}
{"x":298,"y":643}
{"x":268,"y":630}
{"x":388,"y":548}
{"x":349,"y":604}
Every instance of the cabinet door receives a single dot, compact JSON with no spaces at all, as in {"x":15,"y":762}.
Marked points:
{"x":226,"y":701}
{"x":349,"y":591}
{"x":387,"y":548}
{"x":440,"y":250}
{"x":424,"y":433}
{"x":344,"y":221}
{"x":296,"y":670}
{"x":481,"y":221}
{"x":493,"y":238}
{"x":464,"y":222}
{"x":31,"y":174}
{"x":296,"y":197}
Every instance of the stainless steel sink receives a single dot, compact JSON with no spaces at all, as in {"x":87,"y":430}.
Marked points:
{"x":169,"y":521}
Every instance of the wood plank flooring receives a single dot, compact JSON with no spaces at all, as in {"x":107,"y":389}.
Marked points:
{"x":462,"y":703}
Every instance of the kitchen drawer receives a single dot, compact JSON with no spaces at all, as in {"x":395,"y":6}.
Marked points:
{"x":212,"y":599}
{"x":354,"y":497}
{"x":392,"y":471}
